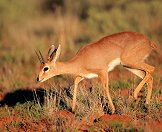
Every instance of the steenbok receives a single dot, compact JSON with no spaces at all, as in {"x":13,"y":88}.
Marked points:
{"x":97,"y":59}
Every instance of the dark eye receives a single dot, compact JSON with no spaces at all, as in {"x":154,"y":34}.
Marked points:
{"x":45,"y":69}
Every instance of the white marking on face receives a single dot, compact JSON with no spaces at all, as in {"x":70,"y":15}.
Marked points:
{"x":90,"y":75}
{"x":113,"y":63}
{"x":45,"y":69}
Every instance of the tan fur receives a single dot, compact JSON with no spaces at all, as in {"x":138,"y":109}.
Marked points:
{"x":97,"y":59}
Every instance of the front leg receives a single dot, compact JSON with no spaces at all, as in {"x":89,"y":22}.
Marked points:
{"x":76,"y":82}
{"x":104,"y":79}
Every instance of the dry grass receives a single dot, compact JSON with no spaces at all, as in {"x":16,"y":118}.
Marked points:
{"x":29,"y":26}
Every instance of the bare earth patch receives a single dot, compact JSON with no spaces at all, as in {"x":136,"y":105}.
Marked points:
{"x":98,"y":122}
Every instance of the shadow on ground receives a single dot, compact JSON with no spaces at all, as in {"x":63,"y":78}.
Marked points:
{"x":22,"y":96}
{"x":38,"y":95}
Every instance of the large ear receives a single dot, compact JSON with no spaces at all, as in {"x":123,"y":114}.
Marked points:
{"x":57,"y":54}
{"x":51,"y":53}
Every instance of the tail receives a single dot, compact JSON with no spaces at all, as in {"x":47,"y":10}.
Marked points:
{"x":156,"y":47}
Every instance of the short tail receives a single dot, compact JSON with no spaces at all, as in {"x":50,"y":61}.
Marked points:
{"x":156,"y":48}
{"x":154,"y":45}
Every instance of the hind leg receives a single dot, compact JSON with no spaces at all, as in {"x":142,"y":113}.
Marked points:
{"x":149,"y":92}
{"x":140,"y":69}
{"x":140,"y":74}
{"x":148,"y":78}
{"x":133,"y":57}
{"x":139,"y":87}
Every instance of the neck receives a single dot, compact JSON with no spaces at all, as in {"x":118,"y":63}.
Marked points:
{"x":66,"y":67}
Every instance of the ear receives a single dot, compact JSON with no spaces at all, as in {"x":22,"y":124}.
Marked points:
{"x":57,"y":54}
{"x":51,"y":53}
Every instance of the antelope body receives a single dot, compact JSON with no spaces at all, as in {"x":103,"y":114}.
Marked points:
{"x":129,"y":49}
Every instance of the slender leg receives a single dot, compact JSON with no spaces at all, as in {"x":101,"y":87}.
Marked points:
{"x":104,"y":79}
{"x":148,"y":69}
{"x":138,"y":63}
{"x":149,"y":92}
{"x":147,"y":78}
{"x":77,"y":80}
{"x":139,"y":87}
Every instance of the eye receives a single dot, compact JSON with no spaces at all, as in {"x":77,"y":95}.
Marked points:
{"x":45,"y":69}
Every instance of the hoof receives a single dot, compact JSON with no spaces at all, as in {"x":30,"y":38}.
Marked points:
{"x":145,"y":108}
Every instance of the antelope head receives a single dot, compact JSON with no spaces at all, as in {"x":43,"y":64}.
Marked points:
{"x":48,"y":69}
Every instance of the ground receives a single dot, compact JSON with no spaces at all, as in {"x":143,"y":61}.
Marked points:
{"x":38,"y":109}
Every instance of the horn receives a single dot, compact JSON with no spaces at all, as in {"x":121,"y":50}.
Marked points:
{"x":40,"y":57}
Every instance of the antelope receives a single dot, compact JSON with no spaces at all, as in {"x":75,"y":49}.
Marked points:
{"x":97,"y":59}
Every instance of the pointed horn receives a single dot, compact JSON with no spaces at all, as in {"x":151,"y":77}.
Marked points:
{"x":40,"y":57}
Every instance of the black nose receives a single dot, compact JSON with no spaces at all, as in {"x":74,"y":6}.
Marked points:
{"x":37,"y":79}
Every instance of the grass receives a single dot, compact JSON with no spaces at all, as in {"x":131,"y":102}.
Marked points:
{"x":35,"y":25}
{"x":121,"y":84}
{"x":89,"y":104}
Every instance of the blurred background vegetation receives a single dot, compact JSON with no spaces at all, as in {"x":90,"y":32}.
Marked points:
{"x":29,"y":25}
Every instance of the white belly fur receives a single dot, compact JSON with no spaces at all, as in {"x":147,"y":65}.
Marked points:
{"x":113,"y":64}
{"x":90,"y":75}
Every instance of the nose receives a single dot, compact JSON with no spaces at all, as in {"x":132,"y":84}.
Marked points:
{"x":37,"y":79}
